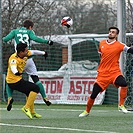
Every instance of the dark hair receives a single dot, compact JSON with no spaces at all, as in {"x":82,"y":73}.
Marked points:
{"x":114,"y":28}
{"x":27,"y":23}
{"x":21,"y":47}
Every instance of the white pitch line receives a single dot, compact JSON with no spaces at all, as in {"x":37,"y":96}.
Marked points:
{"x":71,"y":110}
{"x":54,"y":128}
{"x":46,"y":109}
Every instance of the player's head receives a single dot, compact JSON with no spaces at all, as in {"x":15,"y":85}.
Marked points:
{"x":28,"y":23}
{"x":22,"y":49}
{"x":113,"y":33}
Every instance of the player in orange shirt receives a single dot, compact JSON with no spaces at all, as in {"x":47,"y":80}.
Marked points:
{"x":109,"y":70}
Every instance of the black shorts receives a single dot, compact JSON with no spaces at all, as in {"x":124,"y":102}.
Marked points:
{"x":24,"y":87}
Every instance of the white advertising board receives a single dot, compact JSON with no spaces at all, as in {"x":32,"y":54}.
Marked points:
{"x":68,"y":88}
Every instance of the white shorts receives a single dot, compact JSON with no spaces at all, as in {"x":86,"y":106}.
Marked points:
{"x":30,"y":67}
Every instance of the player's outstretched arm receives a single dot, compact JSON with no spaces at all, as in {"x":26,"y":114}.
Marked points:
{"x":9,"y":36}
{"x":39,"y":39}
{"x":38,"y":52}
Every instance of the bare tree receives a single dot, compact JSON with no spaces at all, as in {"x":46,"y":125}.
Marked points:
{"x":92,"y":16}
{"x":15,"y":12}
{"x":88,"y":16}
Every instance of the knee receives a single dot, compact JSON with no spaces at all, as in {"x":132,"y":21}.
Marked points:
{"x":36,"y":89}
{"x":35,"y":78}
{"x":93,"y":96}
{"x":120,"y":81}
{"x":123,"y":84}
{"x":96,"y":90}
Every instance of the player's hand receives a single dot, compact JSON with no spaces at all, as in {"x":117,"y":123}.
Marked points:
{"x":50,"y":43}
{"x":46,"y":55}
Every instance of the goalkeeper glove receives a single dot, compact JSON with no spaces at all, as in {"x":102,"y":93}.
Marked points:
{"x":45,"y":55}
{"x":50,"y":42}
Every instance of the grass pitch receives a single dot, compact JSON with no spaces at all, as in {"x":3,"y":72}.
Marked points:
{"x":64,"y":119}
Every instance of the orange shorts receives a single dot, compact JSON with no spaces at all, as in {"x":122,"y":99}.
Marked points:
{"x":104,"y":79}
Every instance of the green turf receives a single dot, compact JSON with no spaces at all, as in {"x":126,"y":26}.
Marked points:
{"x":64,"y":119}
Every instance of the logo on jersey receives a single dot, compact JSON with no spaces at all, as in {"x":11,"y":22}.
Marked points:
{"x":13,"y":62}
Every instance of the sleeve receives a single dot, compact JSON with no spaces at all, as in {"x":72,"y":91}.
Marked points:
{"x":37,"y":39}
{"x":35,"y":52}
{"x":10,"y":36}
{"x":126,"y":48}
{"x":13,"y":65}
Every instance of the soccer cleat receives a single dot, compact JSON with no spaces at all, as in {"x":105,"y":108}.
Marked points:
{"x":85,"y":113}
{"x":36,"y":115}
{"x":27,"y":112}
{"x":48,"y":103}
{"x":9,"y":106}
{"x":122,"y":109}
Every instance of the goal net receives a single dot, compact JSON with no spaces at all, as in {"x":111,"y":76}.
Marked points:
{"x":69,"y":72}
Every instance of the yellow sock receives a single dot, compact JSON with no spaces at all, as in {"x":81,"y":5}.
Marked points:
{"x":30,"y":100}
{"x":31,"y":108}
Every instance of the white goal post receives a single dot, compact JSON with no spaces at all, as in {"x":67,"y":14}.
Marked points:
{"x":71,"y":84}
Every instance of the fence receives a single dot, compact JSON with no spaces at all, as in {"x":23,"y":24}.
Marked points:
{"x":70,"y":69}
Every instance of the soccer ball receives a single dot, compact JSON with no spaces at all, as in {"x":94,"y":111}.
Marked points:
{"x":66,"y":21}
